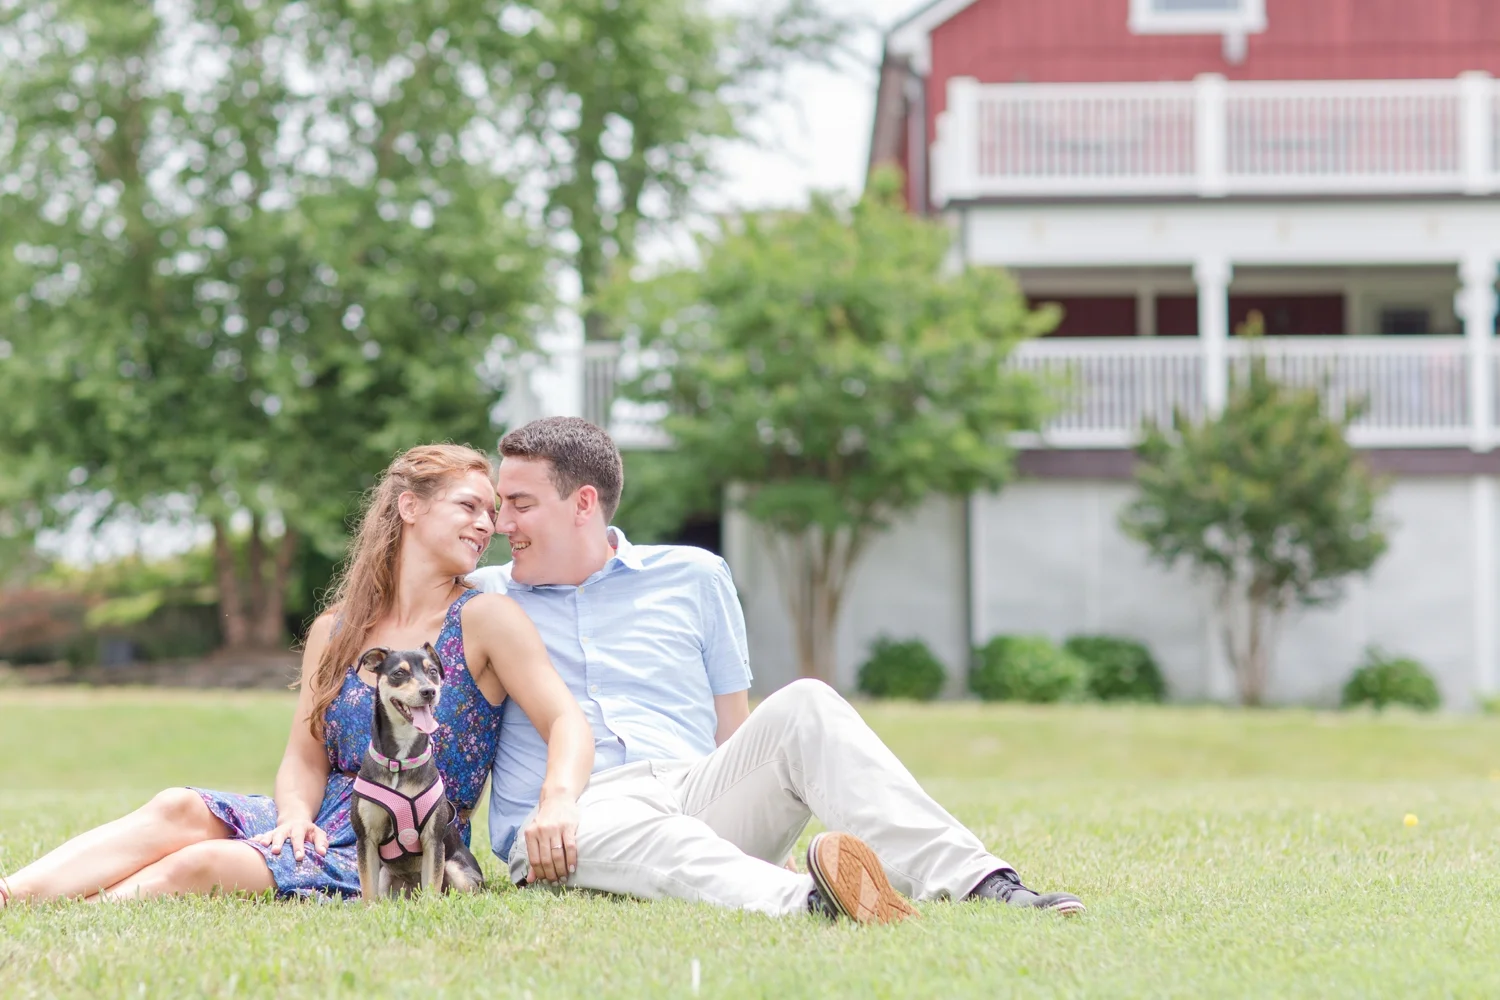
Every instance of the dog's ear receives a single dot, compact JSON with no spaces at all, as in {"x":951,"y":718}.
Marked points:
{"x":372,"y":658}
{"x":432,"y":654}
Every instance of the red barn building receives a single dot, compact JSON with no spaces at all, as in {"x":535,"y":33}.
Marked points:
{"x":1161,"y":168}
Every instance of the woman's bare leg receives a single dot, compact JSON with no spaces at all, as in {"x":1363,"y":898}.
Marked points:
{"x":108,"y":854}
{"x":227,"y":865}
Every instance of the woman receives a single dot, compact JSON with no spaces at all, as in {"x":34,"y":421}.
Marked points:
{"x":429,"y":521}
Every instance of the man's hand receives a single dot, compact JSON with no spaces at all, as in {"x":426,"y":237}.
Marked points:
{"x":551,"y":846}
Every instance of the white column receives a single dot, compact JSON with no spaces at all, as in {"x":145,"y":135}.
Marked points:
{"x":1475,"y":306}
{"x":1476,"y":137}
{"x":1145,"y":311}
{"x":1212,"y":275}
{"x":1209,"y":134}
{"x":1482,"y":497}
{"x":956,"y":151}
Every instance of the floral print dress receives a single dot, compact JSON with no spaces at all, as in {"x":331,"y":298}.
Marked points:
{"x":468,"y":732}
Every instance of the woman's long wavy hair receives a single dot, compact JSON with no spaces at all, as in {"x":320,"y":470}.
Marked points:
{"x":365,"y":587}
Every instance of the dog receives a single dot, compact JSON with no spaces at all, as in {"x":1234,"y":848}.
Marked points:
{"x":403,"y":821}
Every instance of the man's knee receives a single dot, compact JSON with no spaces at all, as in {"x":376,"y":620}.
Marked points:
{"x":805,"y":696}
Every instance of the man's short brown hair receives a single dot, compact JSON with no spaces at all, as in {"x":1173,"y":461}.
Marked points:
{"x":581,"y":454}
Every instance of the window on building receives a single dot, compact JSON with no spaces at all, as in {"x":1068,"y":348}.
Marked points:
{"x":1197,"y":17}
{"x":1405,"y":321}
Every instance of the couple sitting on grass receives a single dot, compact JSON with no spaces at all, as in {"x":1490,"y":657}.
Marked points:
{"x":602,"y":685}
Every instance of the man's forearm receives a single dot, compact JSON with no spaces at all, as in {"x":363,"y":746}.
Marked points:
{"x":570,"y":759}
{"x":731,"y":711}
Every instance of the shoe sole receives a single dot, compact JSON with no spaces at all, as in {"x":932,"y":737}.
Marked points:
{"x":1068,"y":908}
{"x":850,"y":876}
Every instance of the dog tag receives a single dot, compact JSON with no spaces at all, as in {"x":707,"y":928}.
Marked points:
{"x":409,"y":839}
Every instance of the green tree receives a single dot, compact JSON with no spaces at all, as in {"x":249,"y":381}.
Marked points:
{"x":251,"y":248}
{"x":663,"y":492}
{"x":618,"y":106}
{"x":1268,"y":501}
{"x":830,"y":366}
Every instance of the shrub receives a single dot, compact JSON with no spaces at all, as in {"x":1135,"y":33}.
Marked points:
{"x":901,"y":670}
{"x":1119,"y":669}
{"x":1386,"y":680}
{"x":1027,"y":668}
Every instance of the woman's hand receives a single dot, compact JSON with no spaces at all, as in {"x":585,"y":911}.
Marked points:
{"x":551,"y":844}
{"x":299,"y":832}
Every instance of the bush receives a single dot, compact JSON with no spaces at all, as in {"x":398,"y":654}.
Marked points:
{"x":1119,"y":669}
{"x":1385,"y":680}
{"x":901,"y":670}
{"x":1027,"y":668}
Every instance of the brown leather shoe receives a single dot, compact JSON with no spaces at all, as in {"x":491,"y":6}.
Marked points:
{"x":850,"y":877}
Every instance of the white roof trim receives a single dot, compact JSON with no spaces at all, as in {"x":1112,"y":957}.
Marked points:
{"x":912,"y":37}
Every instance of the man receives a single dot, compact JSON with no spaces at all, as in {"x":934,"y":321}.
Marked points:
{"x":693,"y":796}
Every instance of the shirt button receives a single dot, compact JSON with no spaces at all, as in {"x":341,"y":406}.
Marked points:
{"x":593,"y":689}
{"x":585,"y":640}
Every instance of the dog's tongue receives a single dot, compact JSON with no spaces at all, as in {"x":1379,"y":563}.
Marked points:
{"x":424,"y":720}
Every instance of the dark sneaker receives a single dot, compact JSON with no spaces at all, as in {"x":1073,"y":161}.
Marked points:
{"x":816,"y":904}
{"x":1005,"y":886}
{"x":851,"y":882}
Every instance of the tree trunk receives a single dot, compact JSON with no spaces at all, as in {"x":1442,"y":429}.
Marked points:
{"x":252,"y":599}
{"x":232,"y":617}
{"x":255,"y":577}
{"x":1248,"y":624}
{"x":813,"y":568}
{"x":270,"y":616}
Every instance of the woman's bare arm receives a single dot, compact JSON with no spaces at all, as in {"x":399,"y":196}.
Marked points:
{"x":303,"y":775}
{"x":496,"y":628}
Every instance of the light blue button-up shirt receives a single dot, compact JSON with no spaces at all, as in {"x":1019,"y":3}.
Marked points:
{"x":644,"y":645}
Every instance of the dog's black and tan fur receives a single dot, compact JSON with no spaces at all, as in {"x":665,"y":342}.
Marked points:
{"x":405,"y":679}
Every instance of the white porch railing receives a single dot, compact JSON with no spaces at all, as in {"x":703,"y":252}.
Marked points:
{"x":1109,"y":386}
{"x":632,"y":425}
{"x":1212,"y":137}
{"x":601,"y":373}
{"x":1415,"y":389}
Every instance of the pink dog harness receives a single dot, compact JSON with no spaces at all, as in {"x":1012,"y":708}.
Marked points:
{"x":409,"y":813}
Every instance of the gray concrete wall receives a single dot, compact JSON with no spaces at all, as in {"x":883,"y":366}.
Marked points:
{"x":1049,"y":557}
{"x":909,"y":585}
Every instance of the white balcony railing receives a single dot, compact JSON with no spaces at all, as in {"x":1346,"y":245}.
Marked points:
{"x":631,"y":424}
{"x":1416,"y":390}
{"x":1212,"y":137}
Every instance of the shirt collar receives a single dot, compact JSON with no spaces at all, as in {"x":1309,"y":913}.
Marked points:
{"x":624,"y":551}
{"x":625,"y":555}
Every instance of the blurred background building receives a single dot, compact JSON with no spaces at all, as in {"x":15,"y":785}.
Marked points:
{"x":1162,"y":169}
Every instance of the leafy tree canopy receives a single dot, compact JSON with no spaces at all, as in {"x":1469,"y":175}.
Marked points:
{"x":832,"y":366}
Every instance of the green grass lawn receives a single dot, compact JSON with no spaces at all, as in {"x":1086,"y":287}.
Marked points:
{"x":1220,"y":853}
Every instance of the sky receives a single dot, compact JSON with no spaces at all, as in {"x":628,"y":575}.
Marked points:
{"x":826,"y":128}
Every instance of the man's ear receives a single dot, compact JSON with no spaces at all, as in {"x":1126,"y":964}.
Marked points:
{"x":372,"y":658}
{"x":587,"y":502}
{"x":432,"y":654}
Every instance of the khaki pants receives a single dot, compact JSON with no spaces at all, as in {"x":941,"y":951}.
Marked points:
{"x":717,"y":830}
